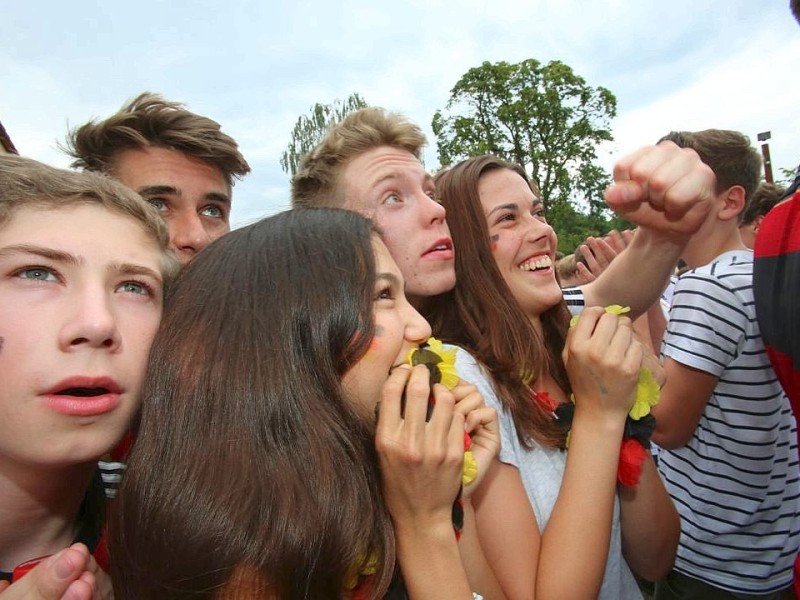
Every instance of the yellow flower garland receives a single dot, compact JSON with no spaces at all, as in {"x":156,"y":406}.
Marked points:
{"x":445,"y":362}
{"x":648,"y":391}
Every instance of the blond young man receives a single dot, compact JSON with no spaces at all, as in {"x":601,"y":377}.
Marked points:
{"x":371,"y":163}
{"x":179,"y":161}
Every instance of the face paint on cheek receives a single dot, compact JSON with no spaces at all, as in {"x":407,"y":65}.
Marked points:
{"x":493,"y":241}
{"x":374,"y":343}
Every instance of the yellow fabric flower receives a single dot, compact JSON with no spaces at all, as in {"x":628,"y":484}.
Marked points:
{"x":434,"y":354}
{"x":448,"y":365}
{"x":648,"y":391}
{"x":470,"y":469}
{"x":648,"y":394}
{"x":361,"y":569}
{"x":445,"y":363}
{"x":612,"y":309}
{"x":371,"y":566}
{"x":527,"y":376}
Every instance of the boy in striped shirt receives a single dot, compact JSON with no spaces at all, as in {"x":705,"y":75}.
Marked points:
{"x":730,"y":461}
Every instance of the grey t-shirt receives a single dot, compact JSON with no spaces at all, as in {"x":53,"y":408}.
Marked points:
{"x":541,"y":470}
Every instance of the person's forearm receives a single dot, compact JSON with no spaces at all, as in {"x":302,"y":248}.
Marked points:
{"x":658,"y":325}
{"x":579,"y":529}
{"x":650,"y":525}
{"x":480,"y":575}
{"x":430,"y":562}
{"x":639,"y":274}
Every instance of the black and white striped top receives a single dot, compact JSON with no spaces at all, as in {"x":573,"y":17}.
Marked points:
{"x":736,"y":483}
{"x":573,"y":296}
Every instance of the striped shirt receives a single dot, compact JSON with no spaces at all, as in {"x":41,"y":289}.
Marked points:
{"x":736,"y":483}
{"x":111,"y":472}
{"x":574,"y":298}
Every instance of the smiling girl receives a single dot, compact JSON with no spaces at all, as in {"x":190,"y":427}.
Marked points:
{"x":553,"y":524}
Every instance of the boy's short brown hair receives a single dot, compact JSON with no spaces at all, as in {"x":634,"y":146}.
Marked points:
{"x":26,"y":183}
{"x":150,"y":120}
{"x":766,"y":196}
{"x":729,"y":154}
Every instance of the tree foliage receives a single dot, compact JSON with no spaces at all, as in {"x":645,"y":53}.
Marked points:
{"x":543,"y":117}
{"x":787,"y":176}
{"x":309,"y":129}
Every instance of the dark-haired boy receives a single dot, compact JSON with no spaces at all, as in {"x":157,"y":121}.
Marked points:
{"x":179,"y":161}
{"x":729,"y":437}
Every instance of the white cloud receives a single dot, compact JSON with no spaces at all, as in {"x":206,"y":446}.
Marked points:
{"x":255,"y":67}
{"x":747,"y":92}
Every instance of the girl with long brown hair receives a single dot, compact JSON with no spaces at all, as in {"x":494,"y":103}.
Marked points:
{"x":553,"y":524}
{"x":260,"y":468}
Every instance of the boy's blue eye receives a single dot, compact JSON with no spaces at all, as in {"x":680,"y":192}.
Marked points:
{"x":38,"y":274}
{"x":215,"y":212}
{"x":392,"y":199}
{"x":134,"y":287}
{"x":158,"y":204}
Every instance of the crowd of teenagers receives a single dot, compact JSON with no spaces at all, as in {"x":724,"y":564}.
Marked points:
{"x":391,"y":390}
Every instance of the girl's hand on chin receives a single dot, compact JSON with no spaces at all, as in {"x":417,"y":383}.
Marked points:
{"x":420,"y":461}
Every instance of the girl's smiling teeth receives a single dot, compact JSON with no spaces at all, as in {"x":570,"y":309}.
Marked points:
{"x":535,"y":264}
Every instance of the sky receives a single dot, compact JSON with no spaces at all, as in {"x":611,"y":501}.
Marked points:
{"x":256,"y":66}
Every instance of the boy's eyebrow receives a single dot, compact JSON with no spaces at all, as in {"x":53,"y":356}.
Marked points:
{"x":394,"y":175}
{"x":134,"y":269}
{"x":217,"y":197}
{"x":157,"y":190}
{"x":43,"y":251}
{"x":71,"y":259}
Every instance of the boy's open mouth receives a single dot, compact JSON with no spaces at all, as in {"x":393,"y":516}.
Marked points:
{"x":83,"y":392}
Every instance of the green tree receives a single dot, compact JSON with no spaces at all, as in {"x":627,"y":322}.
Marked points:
{"x":787,"y":176}
{"x":543,"y":117}
{"x":309,"y":129}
